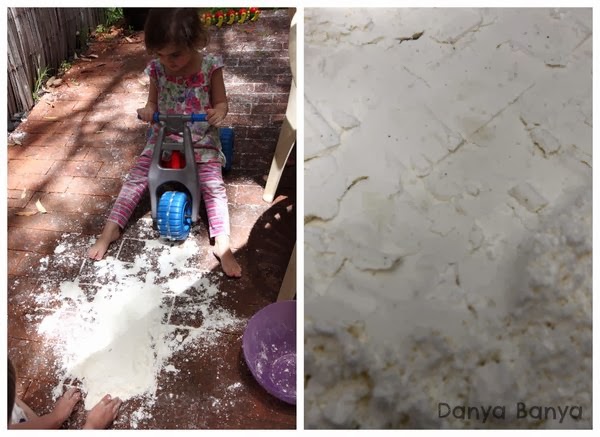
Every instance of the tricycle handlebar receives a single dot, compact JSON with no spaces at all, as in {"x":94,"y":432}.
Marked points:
{"x":157,"y":117}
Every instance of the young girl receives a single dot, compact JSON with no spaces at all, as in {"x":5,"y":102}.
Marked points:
{"x":182,"y":80}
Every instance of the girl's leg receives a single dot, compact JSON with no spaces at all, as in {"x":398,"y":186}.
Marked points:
{"x":28,"y":411}
{"x":215,"y":199}
{"x":129,"y":197}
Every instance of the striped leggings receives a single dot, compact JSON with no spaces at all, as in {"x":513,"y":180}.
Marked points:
{"x":212,"y":189}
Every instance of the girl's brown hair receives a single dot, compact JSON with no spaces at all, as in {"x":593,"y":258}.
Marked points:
{"x":177,"y":26}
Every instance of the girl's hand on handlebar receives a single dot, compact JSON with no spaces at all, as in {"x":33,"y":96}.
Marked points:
{"x":145,"y":114}
{"x":215,"y":116}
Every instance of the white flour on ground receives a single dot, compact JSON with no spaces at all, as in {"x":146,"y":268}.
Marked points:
{"x":540,"y":355}
{"x":116,"y":341}
{"x":448,"y":218}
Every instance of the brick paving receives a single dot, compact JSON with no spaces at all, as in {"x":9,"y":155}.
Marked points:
{"x":72,"y":154}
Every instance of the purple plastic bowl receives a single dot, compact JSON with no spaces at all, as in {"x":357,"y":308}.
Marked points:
{"x":269,"y":345}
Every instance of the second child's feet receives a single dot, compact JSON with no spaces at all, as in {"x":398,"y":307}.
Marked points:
{"x":110,"y":233}
{"x":103,"y":413}
{"x":228,"y":262}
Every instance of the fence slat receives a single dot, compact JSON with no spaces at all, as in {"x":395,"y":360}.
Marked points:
{"x":40,"y":38}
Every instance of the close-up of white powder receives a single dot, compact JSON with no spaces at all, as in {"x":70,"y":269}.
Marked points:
{"x":448,"y":232}
{"x":111,"y":334}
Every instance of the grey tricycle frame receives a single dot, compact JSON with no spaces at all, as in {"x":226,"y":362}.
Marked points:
{"x":187,"y":176}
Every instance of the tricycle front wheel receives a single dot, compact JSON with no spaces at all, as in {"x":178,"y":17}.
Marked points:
{"x":174,"y":215}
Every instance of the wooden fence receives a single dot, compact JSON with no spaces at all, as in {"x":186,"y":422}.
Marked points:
{"x":40,"y":38}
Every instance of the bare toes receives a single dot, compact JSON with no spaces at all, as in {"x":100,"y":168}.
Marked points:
{"x":97,"y":251}
{"x":232,"y":268}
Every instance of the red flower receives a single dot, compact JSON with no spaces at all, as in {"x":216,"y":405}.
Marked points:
{"x":197,"y":80}
{"x":194,"y":103}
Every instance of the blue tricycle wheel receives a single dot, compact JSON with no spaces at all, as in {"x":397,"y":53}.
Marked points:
{"x":174,"y":215}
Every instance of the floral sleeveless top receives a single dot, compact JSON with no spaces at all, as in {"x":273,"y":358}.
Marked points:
{"x":184,"y":95}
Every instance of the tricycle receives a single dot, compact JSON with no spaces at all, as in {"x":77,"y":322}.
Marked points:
{"x":174,"y":211}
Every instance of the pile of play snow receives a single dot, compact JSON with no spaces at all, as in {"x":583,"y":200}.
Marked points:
{"x":539,"y":355}
{"x":113,"y":334}
{"x":448,"y":209}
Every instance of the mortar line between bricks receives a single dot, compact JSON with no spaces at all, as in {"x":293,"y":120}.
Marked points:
{"x":120,"y":247}
{"x":82,"y":266}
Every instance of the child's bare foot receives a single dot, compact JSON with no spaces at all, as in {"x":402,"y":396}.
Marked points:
{"x":103,"y":413}
{"x":66,"y":404}
{"x":225,"y":255}
{"x":110,"y":233}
